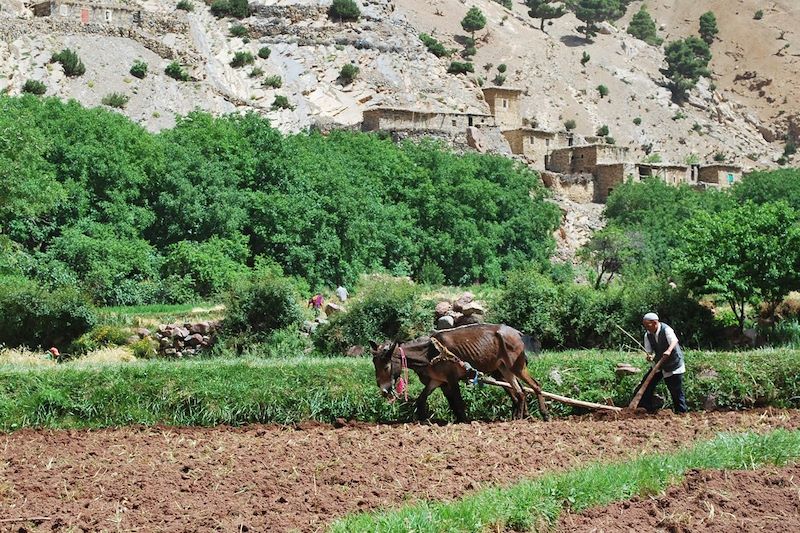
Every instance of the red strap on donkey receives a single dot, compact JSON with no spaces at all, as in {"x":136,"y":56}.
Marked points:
{"x":402,"y":384}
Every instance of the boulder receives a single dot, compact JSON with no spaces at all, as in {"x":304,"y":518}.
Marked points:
{"x":132,"y":339}
{"x":331,"y":308}
{"x":442,"y":308}
{"x":355,"y":351}
{"x":203,"y":328}
{"x":464,"y":320}
{"x":463,"y":300}
{"x":445,"y":322}
{"x":473,"y":308}
{"x":142,"y":332}
{"x":195,"y":340}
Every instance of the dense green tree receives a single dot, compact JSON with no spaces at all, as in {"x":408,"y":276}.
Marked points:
{"x":772,"y":186}
{"x":545,"y":10}
{"x":345,"y":10}
{"x":708,"y":27}
{"x":592,"y":12}
{"x":608,"y":251}
{"x":473,"y":21}
{"x":687,"y":61}
{"x":743,"y":255}
{"x":643,"y":27}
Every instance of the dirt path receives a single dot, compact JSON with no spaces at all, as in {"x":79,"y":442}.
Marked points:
{"x":710,"y":501}
{"x":266,"y":478}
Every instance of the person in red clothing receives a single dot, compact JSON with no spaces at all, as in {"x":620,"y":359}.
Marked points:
{"x":316,"y":302}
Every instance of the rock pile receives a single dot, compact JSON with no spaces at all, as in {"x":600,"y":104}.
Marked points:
{"x":461,"y":311}
{"x":181,"y":340}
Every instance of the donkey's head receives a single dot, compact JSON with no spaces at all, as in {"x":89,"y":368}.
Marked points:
{"x":385,"y":374}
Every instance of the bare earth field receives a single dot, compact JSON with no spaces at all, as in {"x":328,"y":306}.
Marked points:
{"x":715,"y":501}
{"x":269,"y":478}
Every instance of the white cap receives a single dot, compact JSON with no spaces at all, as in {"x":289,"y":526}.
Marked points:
{"x":650,"y":316}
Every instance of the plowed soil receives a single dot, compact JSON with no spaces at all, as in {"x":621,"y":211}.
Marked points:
{"x":268,"y":478}
{"x":710,"y":501}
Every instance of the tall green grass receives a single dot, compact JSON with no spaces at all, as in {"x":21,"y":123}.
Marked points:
{"x":247,"y":390}
{"x":535,"y":505}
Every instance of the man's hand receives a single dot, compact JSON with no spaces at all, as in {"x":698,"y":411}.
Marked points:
{"x":650,"y":357}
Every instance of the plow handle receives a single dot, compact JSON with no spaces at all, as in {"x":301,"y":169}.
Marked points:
{"x":638,"y":396}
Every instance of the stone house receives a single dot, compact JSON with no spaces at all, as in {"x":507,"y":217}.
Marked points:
{"x":535,"y":144}
{"x":584,"y":159}
{"x":504,"y":106}
{"x":90,"y":12}
{"x":397,"y":119}
{"x":671,"y":174}
{"x":719,"y":175}
{"x":608,"y":176}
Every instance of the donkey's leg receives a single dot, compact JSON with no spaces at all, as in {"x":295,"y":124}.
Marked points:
{"x":452,"y":392}
{"x":422,"y":400}
{"x":522,"y":372}
{"x":517,"y":394}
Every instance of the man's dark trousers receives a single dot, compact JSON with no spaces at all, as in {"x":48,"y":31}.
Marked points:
{"x":675,"y":387}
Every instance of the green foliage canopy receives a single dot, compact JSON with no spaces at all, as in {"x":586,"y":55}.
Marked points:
{"x":473,"y":21}
{"x":708,"y":27}
{"x":643,"y":27}
{"x":687,"y":61}
{"x":544,"y":10}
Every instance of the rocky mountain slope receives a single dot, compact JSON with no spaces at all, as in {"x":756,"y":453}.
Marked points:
{"x":752,"y":108}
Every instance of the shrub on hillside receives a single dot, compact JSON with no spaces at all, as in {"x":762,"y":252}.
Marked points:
{"x":230,"y":8}
{"x":72,"y":64}
{"x":570,"y":124}
{"x":280,"y":102}
{"x":457,"y":67}
{"x":34,"y":87}
{"x":602,"y":90}
{"x":433,"y":46}
{"x":117,"y":100}
{"x":344,"y":10}
{"x":175,"y":71}
{"x":98,"y":337}
{"x":241,"y":59}
{"x":348,"y":73}
{"x":139,"y":69}
{"x":237,"y":30}
{"x":185,"y":5}
{"x":264,"y":52}
{"x":273,"y":82}
{"x":33,"y":316}
{"x":602,"y":131}
{"x":383,"y":308}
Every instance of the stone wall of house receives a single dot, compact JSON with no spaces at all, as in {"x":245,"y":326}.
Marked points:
{"x":607,"y":177}
{"x":576,"y":187}
{"x":407,"y":120}
{"x":721,"y":175}
{"x":504,"y":106}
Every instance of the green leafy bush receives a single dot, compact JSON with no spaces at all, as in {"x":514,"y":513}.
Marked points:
{"x":213,"y":265}
{"x":585,"y":58}
{"x":602,"y":90}
{"x":72,"y":64}
{"x":34,"y":87}
{"x":501,"y":68}
{"x":175,"y":70}
{"x":273,"y":82}
{"x":570,"y":124}
{"x":264,"y":52}
{"x":98,"y":337}
{"x":759,"y":14}
{"x":230,"y":8}
{"x":241,"y":59}
{"x":262,"y":304}
{"x":383,"y":308}
{"x":456,"y":67}
{"x":139,"y":69}
{"x":602,"y":131}
{"x":117,"y":100}
{"x":33,"y":316}
{"x":185,"y":5}
{"x":344,"y":10}
{"x":434,"y":46}
{"x":256,"y":72}
{"x":637,"y":121}
{"x":643,"y":27}
{"x":348,"y":73}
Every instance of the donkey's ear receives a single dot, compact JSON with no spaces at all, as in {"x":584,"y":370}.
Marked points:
{"x":373,"y":345}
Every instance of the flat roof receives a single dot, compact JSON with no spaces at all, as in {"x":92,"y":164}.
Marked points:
{"x":499,"y":88}
{"x":420,"y":112}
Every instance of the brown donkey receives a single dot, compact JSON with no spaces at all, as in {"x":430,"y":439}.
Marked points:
{"x":494,"y":349}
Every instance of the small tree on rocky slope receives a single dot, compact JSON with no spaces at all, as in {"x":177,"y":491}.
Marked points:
{"x":592,"y":12}
{"x":708,"y":27}
{"x":643,"y":27}
{"x":473,"y":21}
{"x":687,"y":61}
{"x":544,"y":10}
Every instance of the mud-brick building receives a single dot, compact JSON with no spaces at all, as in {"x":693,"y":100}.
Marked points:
{"x":397,"y":119}
{"x":584,"y":159}
{"x":504,"y":106}
{"x":536,"y":144}
{"x":671,"y":174}
{"x":719,"y":175}
{"x":90,"y":12}
{"x":608,"y":176}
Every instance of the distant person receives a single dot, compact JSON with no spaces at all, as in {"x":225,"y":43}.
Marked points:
{"x":53,"y":354}
{"x":660,"y":342}
{"x":341,"y":293}
{"x":316,"y":302}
